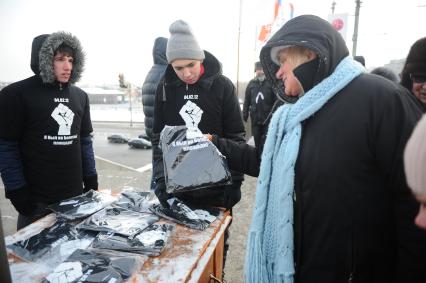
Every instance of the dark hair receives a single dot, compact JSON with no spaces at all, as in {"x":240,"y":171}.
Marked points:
{"x":65,"y":49}
{"x":386,"y":73}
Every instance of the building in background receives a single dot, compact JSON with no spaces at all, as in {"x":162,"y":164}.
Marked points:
{"x":105,"y":96}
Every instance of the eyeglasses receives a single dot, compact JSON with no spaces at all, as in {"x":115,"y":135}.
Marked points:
{"x":418,"y":79}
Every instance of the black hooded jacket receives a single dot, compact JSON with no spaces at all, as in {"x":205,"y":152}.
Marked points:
{"x":258,"y":107}
{"x":215,"y":95}
{"x":353,"y":212}
{"x":42,"y":127}
{"x":151,"y":82}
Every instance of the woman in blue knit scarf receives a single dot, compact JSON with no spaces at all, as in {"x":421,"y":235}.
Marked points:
{"x":332,"y":204}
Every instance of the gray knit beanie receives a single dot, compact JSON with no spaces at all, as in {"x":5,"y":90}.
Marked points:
{"x":182,"y":43}
{"x":415,"y":158}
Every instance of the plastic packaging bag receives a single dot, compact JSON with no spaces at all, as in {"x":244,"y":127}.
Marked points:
{"x":151,"y":241}
{"x":180,"y":213}
{"x":96,"y":266}
{"x":118,"y":220}
{"x":82,"y":206}
{"x":191,"y":164}
{"x":54,"y":243}
{"x":136,"y":200}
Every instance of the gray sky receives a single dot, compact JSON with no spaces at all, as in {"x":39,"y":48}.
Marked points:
{"x":117,"y":36}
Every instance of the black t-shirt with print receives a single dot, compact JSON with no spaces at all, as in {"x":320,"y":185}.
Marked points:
{"x":47,"y":120}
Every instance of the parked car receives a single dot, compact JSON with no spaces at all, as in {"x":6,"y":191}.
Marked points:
{"x":139,"y":143}
{"x":117,"y":138}
{"x":144,"y":136}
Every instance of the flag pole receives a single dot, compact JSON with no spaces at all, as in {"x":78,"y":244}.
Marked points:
{"x":238,"y":49}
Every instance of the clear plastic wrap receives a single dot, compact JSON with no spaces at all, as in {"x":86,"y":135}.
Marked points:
{"x":94,"y":265}
{"x":82,"y":206}
{"x":191,"y":164}
{"x":52,"y":245}
{"x":180,"y":213}
{"x":136,"y":200}
{"x":118,"y":220}
{"x":151,"y":241}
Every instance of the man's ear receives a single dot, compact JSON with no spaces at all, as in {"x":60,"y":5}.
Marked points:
{"x":311,"y":55}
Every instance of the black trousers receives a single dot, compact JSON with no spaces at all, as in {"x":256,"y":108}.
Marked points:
{"x":258,"y":131}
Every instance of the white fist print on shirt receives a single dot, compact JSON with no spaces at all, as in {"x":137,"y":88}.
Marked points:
{"x":64,"y":117}
{"x":191,"y":114}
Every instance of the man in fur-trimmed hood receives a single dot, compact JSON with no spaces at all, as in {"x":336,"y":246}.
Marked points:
{"x":46,"y":152}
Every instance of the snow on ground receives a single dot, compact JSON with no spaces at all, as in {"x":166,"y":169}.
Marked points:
{"x":116,"y":113}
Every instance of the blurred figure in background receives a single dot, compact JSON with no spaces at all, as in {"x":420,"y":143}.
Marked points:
{"x":150,"y":85}
{"x":258,"y":102}
{"x":151,"y":82}
{"x":413,"y":75}
{"x":415,"y":168}
{"x":386,"y":73}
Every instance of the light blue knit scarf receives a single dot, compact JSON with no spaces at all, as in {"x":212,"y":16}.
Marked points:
{"x":270,"y":246}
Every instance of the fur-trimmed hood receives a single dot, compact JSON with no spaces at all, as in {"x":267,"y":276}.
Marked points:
{"x":43,"y":51}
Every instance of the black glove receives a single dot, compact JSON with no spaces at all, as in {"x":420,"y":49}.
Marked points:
{"x":21,"y":200}
{"x":162,"y":195}
{"x":90,"y":183}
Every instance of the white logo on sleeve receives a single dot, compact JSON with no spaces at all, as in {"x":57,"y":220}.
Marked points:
{"x":64,"y":117}
{"x":191,"y":114}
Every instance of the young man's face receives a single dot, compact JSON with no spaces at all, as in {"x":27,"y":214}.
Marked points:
{"x":62,"y":67}
{"x":187,"y":70}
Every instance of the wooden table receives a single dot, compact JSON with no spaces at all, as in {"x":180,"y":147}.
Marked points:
{"x":194,"y":255}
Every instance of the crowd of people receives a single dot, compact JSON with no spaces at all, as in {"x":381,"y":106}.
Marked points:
{"x":339,"y":152}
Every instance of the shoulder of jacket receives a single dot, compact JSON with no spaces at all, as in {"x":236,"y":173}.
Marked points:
{"x":77,"y":90}
{"x":16,"y":87}
{"x":224,"y":80}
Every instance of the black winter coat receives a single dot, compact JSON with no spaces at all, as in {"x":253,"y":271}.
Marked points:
{"x":215,"y":95}
{"x":151,"y":82}
{"x":258,"y":105}
{"x":44,"y":121}
{"x":353,"y":212}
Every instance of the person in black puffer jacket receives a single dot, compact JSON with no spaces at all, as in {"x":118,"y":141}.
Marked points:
{"x":150,"y":85}
{"x":151,"y":82}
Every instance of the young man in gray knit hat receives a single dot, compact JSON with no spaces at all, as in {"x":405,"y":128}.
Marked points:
{"x":194,"y":79}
